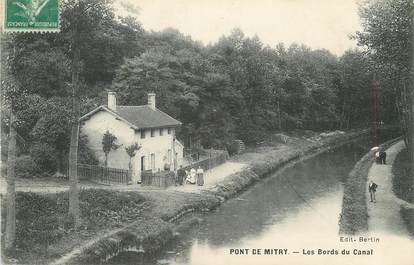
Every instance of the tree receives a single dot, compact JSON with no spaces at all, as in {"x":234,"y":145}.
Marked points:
{"x":132,"y":150}
{"x":74,"y":208}
{"x":384,"y":22}
{"x":11,"y":96}
{"x":53,"y":128}
{"x":11,"y":190}
{"x":108,"y":144}
{"x":355,"y":94}
{"x":80,"y":24}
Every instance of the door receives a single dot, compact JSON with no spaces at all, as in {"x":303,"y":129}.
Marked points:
{"x":142,"y":163}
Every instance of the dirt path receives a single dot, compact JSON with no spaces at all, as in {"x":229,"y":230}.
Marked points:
{"x":212,"y":177}
{"x":384,"y":215}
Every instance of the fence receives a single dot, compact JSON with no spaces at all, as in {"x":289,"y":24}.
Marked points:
{"x":104,"y":175}
{"x":217,"y":158}
{"x":161,"y":179}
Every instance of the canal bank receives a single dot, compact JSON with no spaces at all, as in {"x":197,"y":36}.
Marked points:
{"x":354,"y":215}
{"x":162,"y":230}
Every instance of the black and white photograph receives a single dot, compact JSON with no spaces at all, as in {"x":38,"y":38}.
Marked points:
{"x":207,"y":132}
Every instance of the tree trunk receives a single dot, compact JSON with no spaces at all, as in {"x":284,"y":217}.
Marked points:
{"x":130,"y":170}
{"x":342,"y":117}
{"x":411,"y":131}
{"x":60,"y":168}
{"x":11,"y":192}
{"x":74,"y":209}
{"x":278,"y":115}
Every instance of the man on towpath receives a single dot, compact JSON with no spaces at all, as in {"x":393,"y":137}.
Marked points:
{"x":372,"y":188}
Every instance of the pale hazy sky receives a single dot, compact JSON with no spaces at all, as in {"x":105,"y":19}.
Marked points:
{"x":316,"y":23}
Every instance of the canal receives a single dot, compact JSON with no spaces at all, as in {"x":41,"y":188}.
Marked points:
{"x":296,"y":209}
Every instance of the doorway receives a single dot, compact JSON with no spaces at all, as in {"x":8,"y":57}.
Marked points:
{"x":142,"y":163}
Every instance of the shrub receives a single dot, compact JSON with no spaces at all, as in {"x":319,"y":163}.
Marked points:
{"x":233,"y":148}
{"x":45,"y":157}
{"x":43,"y":219}
{"x":38,"y":219}
{"x":101,"y":207}
{"x":402,"y":180}
{"x":25,"y":167}
{"x":86,"y":155}
{"x":252,"y":134}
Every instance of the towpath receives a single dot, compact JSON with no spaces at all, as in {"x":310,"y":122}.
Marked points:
{"x":384,"y":215}
{"x":212,"y":177}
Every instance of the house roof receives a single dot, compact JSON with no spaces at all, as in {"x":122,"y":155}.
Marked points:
{"x":139,"y":117}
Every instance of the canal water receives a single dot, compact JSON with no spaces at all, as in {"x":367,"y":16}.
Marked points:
{"x":295,"y":210}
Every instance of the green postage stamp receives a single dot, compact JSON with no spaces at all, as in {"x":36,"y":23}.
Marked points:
{"x":31,"y":15}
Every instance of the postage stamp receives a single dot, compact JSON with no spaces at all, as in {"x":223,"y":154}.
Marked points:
{"x":31,"y":15}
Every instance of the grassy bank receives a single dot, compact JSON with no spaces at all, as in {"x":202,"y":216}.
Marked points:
{"x":354,"y":215}
{"x":403,"y":186}
{"x":44,"y":229}
{"x":402,"y":182}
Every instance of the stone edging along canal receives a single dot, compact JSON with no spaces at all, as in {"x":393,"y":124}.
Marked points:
{"x":127,"y":239}
{"x":354,"y":215}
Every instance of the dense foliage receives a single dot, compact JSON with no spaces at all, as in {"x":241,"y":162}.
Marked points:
{"x":237,"y":88}
{"x":402,"y":183}
{"x":387,"y":36}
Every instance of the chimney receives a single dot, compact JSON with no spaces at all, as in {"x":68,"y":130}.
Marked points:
{"x":112,"y":101}
{"x":151,"y":100}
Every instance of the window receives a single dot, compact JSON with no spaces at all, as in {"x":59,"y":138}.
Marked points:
{"x":161,"y":131}
{"x":169,"y":156}
{"x":152,"y":132}
{"x":169,"y":130}
{"x":142,"y":134}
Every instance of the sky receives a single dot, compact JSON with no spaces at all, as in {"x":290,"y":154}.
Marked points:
{"x":317,"y":23}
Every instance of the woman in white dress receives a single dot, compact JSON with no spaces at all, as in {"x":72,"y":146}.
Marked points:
{"x":191,"y":178}
{"x":200,"y":176}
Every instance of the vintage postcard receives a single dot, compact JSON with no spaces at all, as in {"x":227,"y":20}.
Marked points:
{"x":207,"y":132}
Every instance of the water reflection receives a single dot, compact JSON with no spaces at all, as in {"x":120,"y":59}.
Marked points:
{"x":292,"y":206}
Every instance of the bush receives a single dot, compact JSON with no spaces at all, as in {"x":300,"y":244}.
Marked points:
{"x":402,"y":180}
{"x":39,"y":220}
{"x":233,"y":148}
{"x":102,"y":207}
{"x":86,"y":155}
{"x":45,"y":157}
{"x":43,"y":219}
{"x":25,"y":167}
{"x":252,"y":134}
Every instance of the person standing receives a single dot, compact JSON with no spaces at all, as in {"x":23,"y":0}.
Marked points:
{"x":200,"y":176}
{"x":187,"y":176}
{"x":383,"y":157}
{"x":372,"y":188}
{"x":181,"y":175}
{"x":377,"y":157}
{"x":192,"y":178}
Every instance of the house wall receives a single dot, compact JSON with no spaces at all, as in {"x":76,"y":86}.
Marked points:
{"x":179,"y":149}
{"x":100,"y":122}
{"x":157,"y":146}
{"x":96,"y":126}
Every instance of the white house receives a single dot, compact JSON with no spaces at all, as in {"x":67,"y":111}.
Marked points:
{"x":146,"y":125}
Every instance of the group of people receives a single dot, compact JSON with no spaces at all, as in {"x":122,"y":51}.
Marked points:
{"x":192,"y":176}
{"x":381,"y":157}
